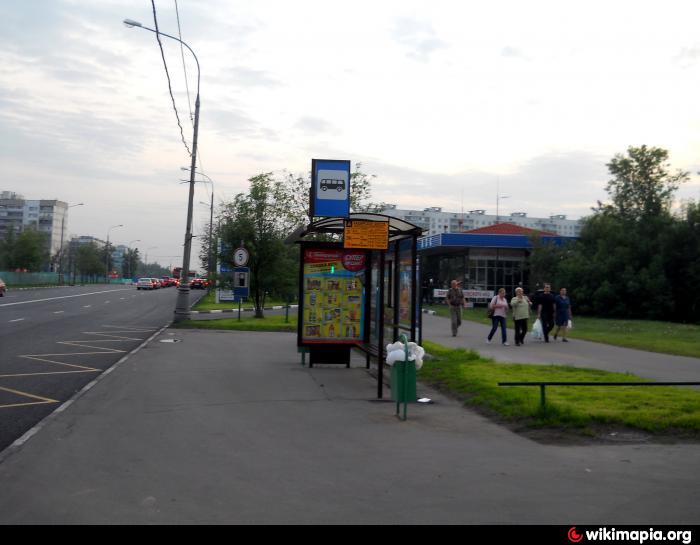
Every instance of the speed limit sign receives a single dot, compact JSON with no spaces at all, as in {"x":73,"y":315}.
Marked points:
{"x":240,"y":257}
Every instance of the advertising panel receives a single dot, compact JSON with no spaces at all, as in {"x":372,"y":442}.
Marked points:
{"x":333,"y":292}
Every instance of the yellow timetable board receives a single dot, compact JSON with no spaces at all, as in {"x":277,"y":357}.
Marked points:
{"x":368,"y":235}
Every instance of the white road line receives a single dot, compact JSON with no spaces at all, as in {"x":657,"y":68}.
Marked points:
{"x":62,"y":297}
{"x":17,"y":320}
{"x":87,"y":306}
{"x":59,"y":311}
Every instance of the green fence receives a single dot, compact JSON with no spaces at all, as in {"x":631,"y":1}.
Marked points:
{"x":28,"y":278}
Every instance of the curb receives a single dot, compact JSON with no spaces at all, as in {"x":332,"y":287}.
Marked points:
{"x":236,"y":310}
{"x":17,"y":445}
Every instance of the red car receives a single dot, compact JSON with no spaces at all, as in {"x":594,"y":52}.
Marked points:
{"x":197,"y":284}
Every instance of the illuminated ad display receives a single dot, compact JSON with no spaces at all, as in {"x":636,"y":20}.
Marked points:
{"x":333,"y":291}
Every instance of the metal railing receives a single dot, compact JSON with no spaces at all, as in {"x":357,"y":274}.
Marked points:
{"x":542,"y":386}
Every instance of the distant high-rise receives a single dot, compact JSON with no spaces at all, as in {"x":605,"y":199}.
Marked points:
{"x":46,"y":216}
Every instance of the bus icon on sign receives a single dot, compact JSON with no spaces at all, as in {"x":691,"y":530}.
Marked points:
{"x":332,"y":183}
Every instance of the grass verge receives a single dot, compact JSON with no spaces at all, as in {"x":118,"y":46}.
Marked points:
{"x":247,"y":323}
{"x":208,"y":302}
{"x":474,"y":380}
{"x":662,"y":337}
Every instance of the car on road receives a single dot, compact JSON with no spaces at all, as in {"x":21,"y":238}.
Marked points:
{"x":3,"y":288}
{"x":145,"y":284}
{"x":197,"y":284}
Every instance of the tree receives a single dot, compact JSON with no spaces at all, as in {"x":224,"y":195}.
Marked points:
{"x":619,"y":265}
{"x":30,"y":250}
{"x":90,"y":260}
{"x":130,"y":263}
{"x":7,"y":250}
{"x":642,"y":186}
{"x":258,"y":219}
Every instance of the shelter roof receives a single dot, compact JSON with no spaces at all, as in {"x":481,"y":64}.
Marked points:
{"x":398,"y":228}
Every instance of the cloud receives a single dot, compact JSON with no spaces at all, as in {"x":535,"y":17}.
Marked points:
{"x":513,"y":53}
{"x":248,"y":77}
{"x":315,"y":125}
{"x":418,"y":38}
{"x":559,"y":183}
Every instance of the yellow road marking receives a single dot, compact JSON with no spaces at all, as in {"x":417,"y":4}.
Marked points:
{"x":42,"y":400}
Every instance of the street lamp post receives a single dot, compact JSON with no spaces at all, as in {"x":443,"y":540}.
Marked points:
{"x":108,"y":253}
{"x":210,"y":270}
{"x":128,"y":259}
{"x":182,"y":306}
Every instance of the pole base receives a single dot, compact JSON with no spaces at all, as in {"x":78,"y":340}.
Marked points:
{"x":182,"y":307}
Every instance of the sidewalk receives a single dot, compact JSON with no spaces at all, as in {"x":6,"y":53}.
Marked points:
{"x":577,"y":353}
{"x":227,"y":427}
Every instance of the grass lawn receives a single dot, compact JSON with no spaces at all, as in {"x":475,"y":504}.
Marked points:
{"x":247,"y":323}
{"x":475,"y":381}
{"x":208,"y":302}
{"x":663,"y":337}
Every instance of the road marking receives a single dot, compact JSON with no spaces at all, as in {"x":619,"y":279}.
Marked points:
{"x":87,"y":306}
{"x":59,"y":311}
{"x":62,"y":297}
{"x":17,"y":320}
{"x":42,"y":400}
{"x":114,"y":335}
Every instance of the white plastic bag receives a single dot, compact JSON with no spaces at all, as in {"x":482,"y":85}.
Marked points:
{"x":537,"y":332}
{"x":570,"y":325}
{"x":397,"y":352}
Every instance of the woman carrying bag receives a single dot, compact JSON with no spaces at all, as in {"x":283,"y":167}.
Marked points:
{"x":499,"y":306}
{"x":521,"y":314}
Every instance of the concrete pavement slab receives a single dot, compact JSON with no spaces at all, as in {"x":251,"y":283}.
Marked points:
{"x":227,"y":427}
{"x":577,"y":353}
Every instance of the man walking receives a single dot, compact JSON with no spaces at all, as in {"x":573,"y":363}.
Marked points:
{"x":455,"y":299}
{"x":546,"y":308}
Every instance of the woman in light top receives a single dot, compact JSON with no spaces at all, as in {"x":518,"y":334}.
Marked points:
{"x":499,"y":305}
{"x":521,"y":314}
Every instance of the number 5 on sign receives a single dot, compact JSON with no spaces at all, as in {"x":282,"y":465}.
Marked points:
{"x":240,"y":257}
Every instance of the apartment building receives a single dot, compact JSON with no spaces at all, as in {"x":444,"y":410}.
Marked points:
{"x":435,"y":221}
{"x":46,"y":216}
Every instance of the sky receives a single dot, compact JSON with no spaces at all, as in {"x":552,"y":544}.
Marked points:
{"x":447,"y":103}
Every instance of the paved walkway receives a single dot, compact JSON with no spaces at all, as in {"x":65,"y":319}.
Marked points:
{"x":227,"y":427}
{"x":658,"y":367}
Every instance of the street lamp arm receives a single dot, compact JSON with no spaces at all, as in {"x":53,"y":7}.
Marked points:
{"x":131,"y":23}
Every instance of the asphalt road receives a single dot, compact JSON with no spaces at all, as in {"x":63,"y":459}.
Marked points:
{"x":54,"y":341}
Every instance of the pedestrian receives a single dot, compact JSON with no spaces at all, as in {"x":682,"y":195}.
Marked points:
{"x":546,"y":308}
{"x":521,"y":314}
{"x":563,"y":305}
{"x":455,"y":298}
{"x":499,"y":306}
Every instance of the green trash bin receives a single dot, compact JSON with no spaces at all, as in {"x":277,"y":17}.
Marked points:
{"x":403,"y":382}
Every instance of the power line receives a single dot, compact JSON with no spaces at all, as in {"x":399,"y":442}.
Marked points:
{"x":184,"y":68}
{"x":170,"y":90}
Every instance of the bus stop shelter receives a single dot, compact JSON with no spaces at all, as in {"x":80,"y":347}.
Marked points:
{"x":355,"y":297}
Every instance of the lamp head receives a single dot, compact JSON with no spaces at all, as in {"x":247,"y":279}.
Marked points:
{"x":131,"y":23}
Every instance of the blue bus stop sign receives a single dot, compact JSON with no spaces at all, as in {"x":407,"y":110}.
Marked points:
{"x":330,"y":188}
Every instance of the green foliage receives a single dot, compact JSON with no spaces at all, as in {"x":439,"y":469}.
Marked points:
{"x":634,"y":259}
{"x":90,"y":260}
{"x":264,"y":217}
{"x":28,"y":250}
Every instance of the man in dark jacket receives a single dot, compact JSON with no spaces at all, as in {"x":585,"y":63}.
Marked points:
{"x":455,"y":299}
{"x":546,"y":307}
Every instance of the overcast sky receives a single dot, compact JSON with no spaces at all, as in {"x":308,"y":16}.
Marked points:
{"x":442,"y":100}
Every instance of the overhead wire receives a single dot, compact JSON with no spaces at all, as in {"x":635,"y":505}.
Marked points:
{"x":184,"y":67}
{"x":170,"y":89}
